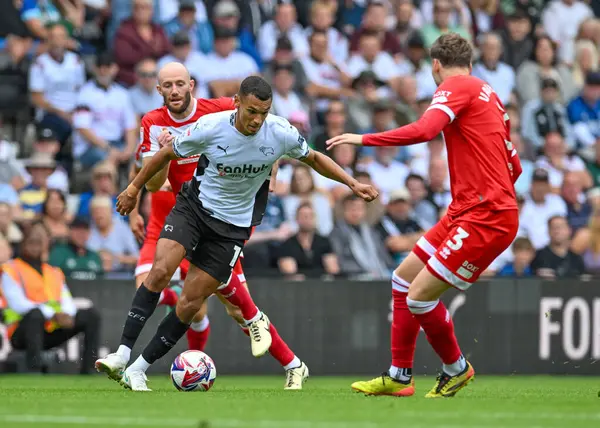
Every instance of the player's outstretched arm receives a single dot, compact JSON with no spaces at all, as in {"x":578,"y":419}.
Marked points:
{"x":127,"y":200}
{"x":325,"y":166}
{"x":423,"y":130}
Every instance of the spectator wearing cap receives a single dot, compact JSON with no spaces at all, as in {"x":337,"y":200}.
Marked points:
{"x":200,"y":33}
{"x":228,"y":67}
{"x":561,"y":20}
{"x":441,"y":24}
{"x":416,"y":64}
{"x":74,"y":258}
{"x":489,"y":68}
{"x":359,"y":246}
{"x":374,"y":21}
{"x":285,"y":100}
{"x":398,"y":227}
{"x":111,"y":238}
{"x":47,"y":142}
{"x":40,"y":166}
{"x":55,"y":78}
{"x":584,"y":111}
{"x":327,"y":79}
{"x":226,"y":14}
{"x":104,"y":121}
{"x":104,"y":183}
{"x":307,"y":253}
{"x":284,"y":56}
{"x":284,"y":23}
{"x":539,"y":207}
{"x":545,"y":115}
{"x":543,"y":63}
{"x":516,"y":39}
{"x":143,"y":96}
{"x":196,"y":62}
{"x":322,"y":17}
{"x":370,"y":56}
{"x":558,"y":161}
{"x":138,"y":38}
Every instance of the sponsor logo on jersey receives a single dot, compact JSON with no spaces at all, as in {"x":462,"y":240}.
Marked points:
{"x":440,"y":97}
{"x":245,"y":170}
{"x":267,"y":151}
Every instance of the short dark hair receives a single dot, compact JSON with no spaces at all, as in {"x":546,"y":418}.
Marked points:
{"x":452,"y":50}
{"x":316,"y":33}
{"x":303,"y":205}
{"x":49,"y":194}
{"x":556,"y":217}
{"x":413,"y":176}
{"x":257,"y":86}
{"x":522,"y":244}
{"x":350,"y":197}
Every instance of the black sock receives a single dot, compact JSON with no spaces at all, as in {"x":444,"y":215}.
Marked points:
{"x":143,"y":306}
{"x":170,"y":330}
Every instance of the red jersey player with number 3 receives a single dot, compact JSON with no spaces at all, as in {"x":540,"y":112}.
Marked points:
{"x":481,"y":222}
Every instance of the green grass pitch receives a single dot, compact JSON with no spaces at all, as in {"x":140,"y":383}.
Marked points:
{"x":326,"y":402}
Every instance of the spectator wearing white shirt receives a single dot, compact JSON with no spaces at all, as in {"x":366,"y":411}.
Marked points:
{"x":284,"y":23}
{"x":285,"y":100}
{"x":561,"y":20}
{"x":226,"y":66}
{"x":500,"y":76}
{"x":104,"y":121}
{"x":539,"y":207}
{"x":54,"y":81}
{"x":322,"y":16}
{"x":144,"y":96}
{"x":196,"y":62}
{"x":557,"y":162}
{"x":371,"y":57}
{"x":545,"y":115}
{"x":385,"y":171}
{"x":326,"y":78}
{"x":47,"y":142}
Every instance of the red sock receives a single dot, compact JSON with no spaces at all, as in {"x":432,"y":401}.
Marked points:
{"x":197,"y":339}
{"x":168,"y":297}
{"x":405,"y":330}
{"x":279,"y":349}
{"x":437,"y":323}
{"x":237,"y":294}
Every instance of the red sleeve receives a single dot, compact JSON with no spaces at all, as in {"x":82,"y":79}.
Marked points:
{"x":423,"y":130}
{"x":226,"y":103}
{"x":515,"y":165}
{"x":145,"y":145}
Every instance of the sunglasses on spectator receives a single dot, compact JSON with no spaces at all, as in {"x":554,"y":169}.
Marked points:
{"x":147,"y":74}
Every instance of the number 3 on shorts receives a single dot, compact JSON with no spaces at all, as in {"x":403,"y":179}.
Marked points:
{"x":236,"y":253}
{"x":456,"y":242}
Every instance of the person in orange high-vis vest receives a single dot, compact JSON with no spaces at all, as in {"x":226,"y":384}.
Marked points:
{"x":40,"y":312}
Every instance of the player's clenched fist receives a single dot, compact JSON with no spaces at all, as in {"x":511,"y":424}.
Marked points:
{"x":365,"y":191}
{"x":344,"y":139}
{"x":165,"y":138}
{"x":127,"y":200}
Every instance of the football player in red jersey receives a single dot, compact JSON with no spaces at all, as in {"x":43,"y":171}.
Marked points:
{"x":481,"y":221}
{"x":180,"y":112}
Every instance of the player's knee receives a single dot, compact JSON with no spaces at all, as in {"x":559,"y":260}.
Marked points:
{"x":158,"y":278}
{"x":187,"y":308}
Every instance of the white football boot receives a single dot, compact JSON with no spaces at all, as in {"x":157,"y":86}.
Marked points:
{"x":113,"y":365}
{"x":295,"y":378}
{"x":260,"y":336}
{"x":135,"y":380}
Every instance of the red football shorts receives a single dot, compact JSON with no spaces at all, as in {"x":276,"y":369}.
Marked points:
{"x":457,"y":250}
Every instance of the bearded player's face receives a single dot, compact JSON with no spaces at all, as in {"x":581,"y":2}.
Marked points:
{"x":176,"y":93}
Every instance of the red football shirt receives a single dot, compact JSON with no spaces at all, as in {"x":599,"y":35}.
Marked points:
{"x":180,"y":170}
{"x":482,"y":162}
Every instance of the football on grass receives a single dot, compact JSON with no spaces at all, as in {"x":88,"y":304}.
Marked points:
{"x":193,"y":371}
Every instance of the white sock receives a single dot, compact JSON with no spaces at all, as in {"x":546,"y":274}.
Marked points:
{"x":456,"y":367}
{"x":124,"y":351}
{"x":294,"y":364}
{"x":401,"y":374}
{"x":200,"y":325}
{"x":255,"y":318}
{"x":139,"y":364}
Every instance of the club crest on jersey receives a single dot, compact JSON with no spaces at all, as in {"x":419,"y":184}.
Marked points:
{"x":267,"y":151}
